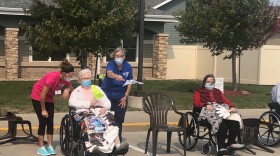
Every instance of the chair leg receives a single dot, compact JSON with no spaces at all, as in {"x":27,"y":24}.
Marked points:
{"x":257,"y":143}
{"x":248,"y":149}
{"x":147,"y":140}
{"x":185,"y":142}
{"x":169,"y":134}
{"x":30,"y":131}
{"x":155,"y":136}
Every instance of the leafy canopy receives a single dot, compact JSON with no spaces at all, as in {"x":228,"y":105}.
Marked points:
{"x":71,"y":25}
{"x":228,"y":24}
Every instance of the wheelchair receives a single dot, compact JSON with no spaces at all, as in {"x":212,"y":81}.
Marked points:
{"x":269,"y":126}
{"x":194,"y":127}
{"x":72,"y":141}
{"x":201,"y":129}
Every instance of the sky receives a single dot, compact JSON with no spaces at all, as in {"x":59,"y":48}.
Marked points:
{"x":275,"y":1}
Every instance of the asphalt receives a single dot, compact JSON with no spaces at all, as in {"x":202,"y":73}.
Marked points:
{"x":135,"y":130}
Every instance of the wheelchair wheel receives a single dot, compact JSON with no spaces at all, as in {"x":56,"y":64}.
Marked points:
{"x":192,"y":132}
{"x":66,"y":135}
{"x":269,"y":128}
{"x":207,"y":148}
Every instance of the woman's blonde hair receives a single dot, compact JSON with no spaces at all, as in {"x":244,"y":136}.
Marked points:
{"x":82,"y":72}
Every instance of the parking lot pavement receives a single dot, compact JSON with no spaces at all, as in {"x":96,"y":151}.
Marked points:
{"x":135,"y":128}
{"x":137,"y":145}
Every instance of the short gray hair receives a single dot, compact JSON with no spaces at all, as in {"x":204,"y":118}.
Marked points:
{"x":82,"y":72}
{"x":117,"y":50}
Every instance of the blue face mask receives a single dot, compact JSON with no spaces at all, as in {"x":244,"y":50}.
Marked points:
{"x":118,"y":61}
{"x":86,"y":83}
{"x":209,"y":86}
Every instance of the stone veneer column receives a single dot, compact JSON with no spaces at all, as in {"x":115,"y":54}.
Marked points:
{"x":11,"y":53}
{"x":91,"y":63}
{"x":160,"y":56}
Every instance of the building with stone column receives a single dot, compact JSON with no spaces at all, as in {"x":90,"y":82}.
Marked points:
{"x":19,"y":61}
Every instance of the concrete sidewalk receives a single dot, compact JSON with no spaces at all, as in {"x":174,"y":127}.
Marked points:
{"x":134,"y":120}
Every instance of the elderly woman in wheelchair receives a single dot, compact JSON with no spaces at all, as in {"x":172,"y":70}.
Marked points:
{"x":96,"y":123}
{"x":223,"y":117}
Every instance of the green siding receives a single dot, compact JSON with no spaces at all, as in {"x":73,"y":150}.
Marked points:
{"x":173,"y":38}
{"x":169,"y":28}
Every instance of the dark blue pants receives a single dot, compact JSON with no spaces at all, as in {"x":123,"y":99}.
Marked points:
{"x":119,"y":114}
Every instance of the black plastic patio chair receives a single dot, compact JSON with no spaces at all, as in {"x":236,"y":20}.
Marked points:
{"x":13,"y":121}
{"x":157,"y":105}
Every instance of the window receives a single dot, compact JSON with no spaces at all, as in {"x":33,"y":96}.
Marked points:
{"x":130,"y":45}
{"x":36,"y":55}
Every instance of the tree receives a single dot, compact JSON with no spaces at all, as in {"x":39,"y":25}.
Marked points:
{"x":232,"y":25}
{"x":80,"y":26}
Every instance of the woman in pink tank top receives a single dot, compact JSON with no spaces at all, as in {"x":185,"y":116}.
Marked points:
{"x":42,"y":97}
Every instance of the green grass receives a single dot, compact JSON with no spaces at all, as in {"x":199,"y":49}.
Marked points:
{"x":15,"y":95}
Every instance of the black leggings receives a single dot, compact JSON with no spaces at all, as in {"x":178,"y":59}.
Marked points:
{"x":228,"y":129}
{"x":43,"y":122}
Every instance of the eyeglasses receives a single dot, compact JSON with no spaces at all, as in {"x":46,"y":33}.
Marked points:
{"x":119,"y":56}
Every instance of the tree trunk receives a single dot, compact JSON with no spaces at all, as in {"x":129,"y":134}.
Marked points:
{"x":95,"y":70}
{"x":84,"y":59}
{"x":234,"y":79}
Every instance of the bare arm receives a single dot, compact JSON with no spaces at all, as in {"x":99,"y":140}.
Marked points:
{"x":123,"y":100}
{"x":42,"y":100}
{"x":67,"y":91}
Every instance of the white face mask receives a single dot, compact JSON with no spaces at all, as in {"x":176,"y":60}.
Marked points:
{"x":68,"y":79}
{"x":209,"y":86}
{"x":119,"y":61}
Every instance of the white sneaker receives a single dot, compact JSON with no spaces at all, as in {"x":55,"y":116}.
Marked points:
{"x":237,"y":146}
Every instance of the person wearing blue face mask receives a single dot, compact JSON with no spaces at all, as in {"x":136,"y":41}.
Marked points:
{"x":88,"y":97}
{"x":206,"y":97}
{"x":117,"y":72}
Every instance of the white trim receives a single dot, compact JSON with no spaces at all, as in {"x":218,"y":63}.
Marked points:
{"x":68,"y":57}
{"x":98,"y":65}
{"x":12,"y":11}
{"x":161,"y":4}
{"x":160,"y":18}
{"x":12,"y":29}
{"x":30,"y":56}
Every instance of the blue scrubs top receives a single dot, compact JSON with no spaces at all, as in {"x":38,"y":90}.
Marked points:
{"x":114,"y":89}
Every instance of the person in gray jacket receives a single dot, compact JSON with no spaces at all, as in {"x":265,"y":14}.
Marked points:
{"x":275,"y":93}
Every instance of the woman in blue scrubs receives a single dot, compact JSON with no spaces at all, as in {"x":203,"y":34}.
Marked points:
{"x":118,"y":70}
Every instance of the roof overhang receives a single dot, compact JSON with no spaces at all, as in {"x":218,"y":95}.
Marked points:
{"x":160,"y":18}
{"x":12,"y":11}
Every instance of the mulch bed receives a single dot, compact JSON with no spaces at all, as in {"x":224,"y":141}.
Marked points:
{"x":237,"y":93}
